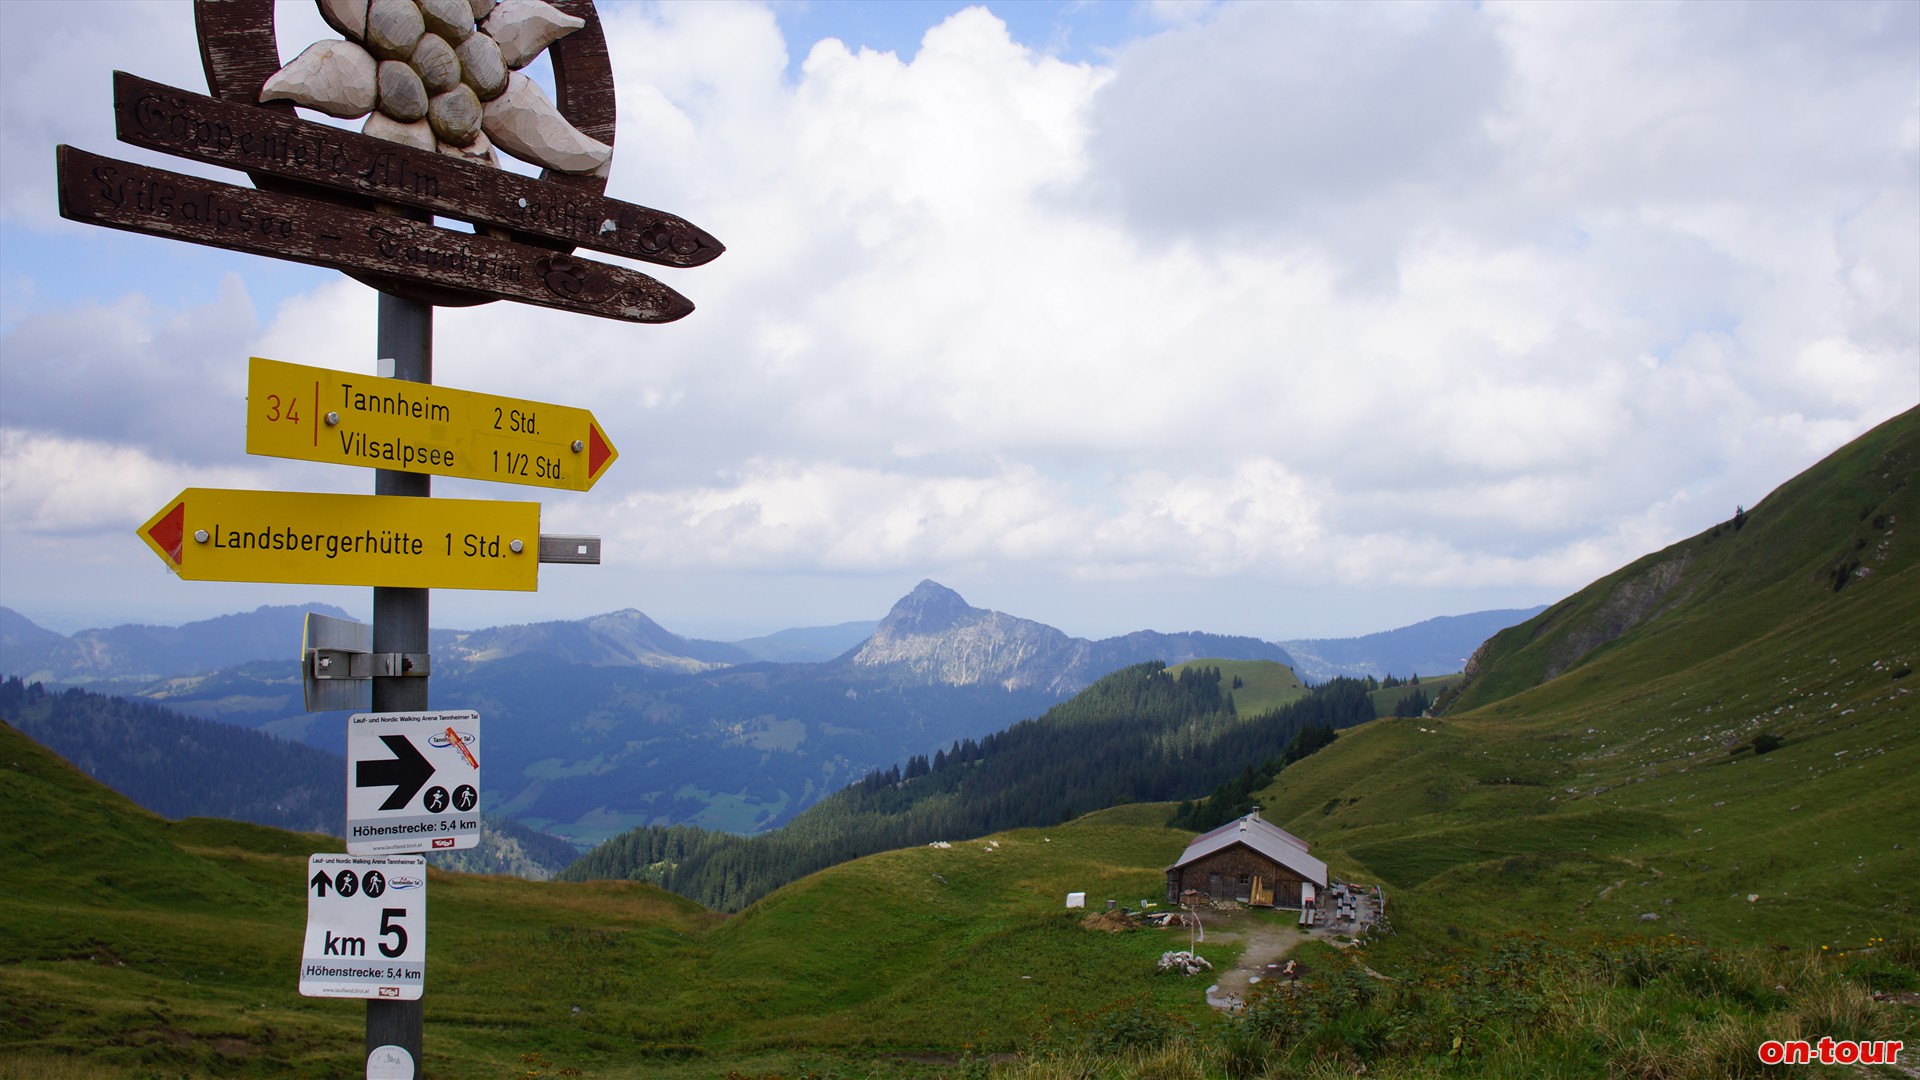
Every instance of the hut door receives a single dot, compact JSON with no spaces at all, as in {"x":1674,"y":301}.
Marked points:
{"x":1213,"y":886}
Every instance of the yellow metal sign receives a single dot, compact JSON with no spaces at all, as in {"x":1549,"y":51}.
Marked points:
{"x":318,"y":414}
{"x":217,"y":534}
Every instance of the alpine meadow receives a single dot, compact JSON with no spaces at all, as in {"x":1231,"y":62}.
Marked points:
{"x":1646,"y":832}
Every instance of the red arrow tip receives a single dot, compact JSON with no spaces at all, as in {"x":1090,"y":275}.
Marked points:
{"x":597,"y":450}
{"x":170,"y":532}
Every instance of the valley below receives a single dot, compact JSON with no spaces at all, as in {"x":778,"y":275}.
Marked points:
{"x":1660,"y":829}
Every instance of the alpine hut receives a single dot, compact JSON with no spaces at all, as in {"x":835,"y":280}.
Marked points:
{"x":1250,"y":860}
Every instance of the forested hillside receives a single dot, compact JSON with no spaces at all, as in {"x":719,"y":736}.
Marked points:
{"x":181,"y":766}
{"x":1138,"y":735}
{"x":185,"y":767}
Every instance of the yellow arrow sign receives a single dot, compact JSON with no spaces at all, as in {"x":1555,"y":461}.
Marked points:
{"x":217,"y":534}
{"x":318,"y":414}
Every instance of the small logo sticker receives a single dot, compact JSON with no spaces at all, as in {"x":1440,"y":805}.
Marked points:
{"x":403,"y":882}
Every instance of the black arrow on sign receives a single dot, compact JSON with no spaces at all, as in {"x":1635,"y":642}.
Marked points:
{"x":320,"y":882}
{"x":407,"y":773}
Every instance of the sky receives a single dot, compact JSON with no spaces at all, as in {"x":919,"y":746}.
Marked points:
{"x":1289,"y":320}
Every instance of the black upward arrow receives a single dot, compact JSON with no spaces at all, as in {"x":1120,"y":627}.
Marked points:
{"x":407,"y":773}
{"x":320,"y":882}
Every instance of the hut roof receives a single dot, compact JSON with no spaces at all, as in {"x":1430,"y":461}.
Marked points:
{"x":1263,"y":837}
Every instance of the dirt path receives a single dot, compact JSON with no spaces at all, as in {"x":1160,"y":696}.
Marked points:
{"x":1266,"y":943}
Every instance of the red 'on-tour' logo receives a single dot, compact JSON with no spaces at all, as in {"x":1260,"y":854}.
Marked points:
{"x":1830,"y":1051}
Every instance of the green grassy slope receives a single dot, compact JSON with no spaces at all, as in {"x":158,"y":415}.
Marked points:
{"x":933,"y":948}
{"x":1625,"y":793}
{"x":1265,"y":685}
{"x":1803,"y":549}
{"x":1387,"y":698}
{"x":130,"y":944}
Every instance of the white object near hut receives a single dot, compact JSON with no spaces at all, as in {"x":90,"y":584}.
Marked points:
{"x":1076,"y":900}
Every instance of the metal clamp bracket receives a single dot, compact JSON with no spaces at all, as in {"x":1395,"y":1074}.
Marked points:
{"x":352,"y":664}
{"x":570,"y":549}
{"x":338,"y":664}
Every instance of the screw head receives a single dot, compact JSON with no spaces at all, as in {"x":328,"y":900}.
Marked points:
{"x":333,"y":418}
{"x":578,"y":445}
{"x":200,"y":536}
{"x":516,"y":547}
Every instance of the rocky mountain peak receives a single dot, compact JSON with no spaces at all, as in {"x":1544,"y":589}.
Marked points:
{"x":929,"y":609}
{"x":933,"y":637}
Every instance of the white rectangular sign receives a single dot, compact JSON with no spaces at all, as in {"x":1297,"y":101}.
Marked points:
{"x":413,"y":782}
{"x":366,"y":927}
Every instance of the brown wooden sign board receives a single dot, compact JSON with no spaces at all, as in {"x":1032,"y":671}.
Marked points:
{"x":122,"y":195}
{"x":189,"y":125}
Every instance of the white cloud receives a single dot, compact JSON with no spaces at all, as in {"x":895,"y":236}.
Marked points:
{"x":58,"y":62}
{"x":1312,"y":119}
{"x":791,"y":515}
{"x":134,"y":370}
{"x":1442,"y":296}
{"x":54,"y":487}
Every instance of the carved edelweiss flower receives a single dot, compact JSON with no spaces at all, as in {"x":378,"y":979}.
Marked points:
{"x":443,"y":75}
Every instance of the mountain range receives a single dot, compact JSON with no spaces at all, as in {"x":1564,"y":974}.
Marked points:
{"x":1436,"y":646}
{"x":625,"y":638}
{"x":1662,"y":822}
{"x":134,"y":652}
{"x":603,"y":724}
{"x":932,"y":635}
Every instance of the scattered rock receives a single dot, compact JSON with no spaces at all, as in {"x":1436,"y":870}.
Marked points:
{"x":1184,"y":962}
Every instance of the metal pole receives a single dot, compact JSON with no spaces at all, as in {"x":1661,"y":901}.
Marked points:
{"x":405,"y":334}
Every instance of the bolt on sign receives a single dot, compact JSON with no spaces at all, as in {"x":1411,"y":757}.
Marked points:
{"x":366,"y":927}
{"x":413,"y":782}
{"x":318,"y":414}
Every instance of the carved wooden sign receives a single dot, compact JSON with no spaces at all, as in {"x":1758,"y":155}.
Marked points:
{"x":189,"y":125}
{"x":439,"y":84}
{"x":122,"y":195}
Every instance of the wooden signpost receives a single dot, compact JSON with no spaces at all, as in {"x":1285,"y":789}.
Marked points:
{"x":121,"y":195}
{"x":189,"y":125}
{"x":367,"y":204}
